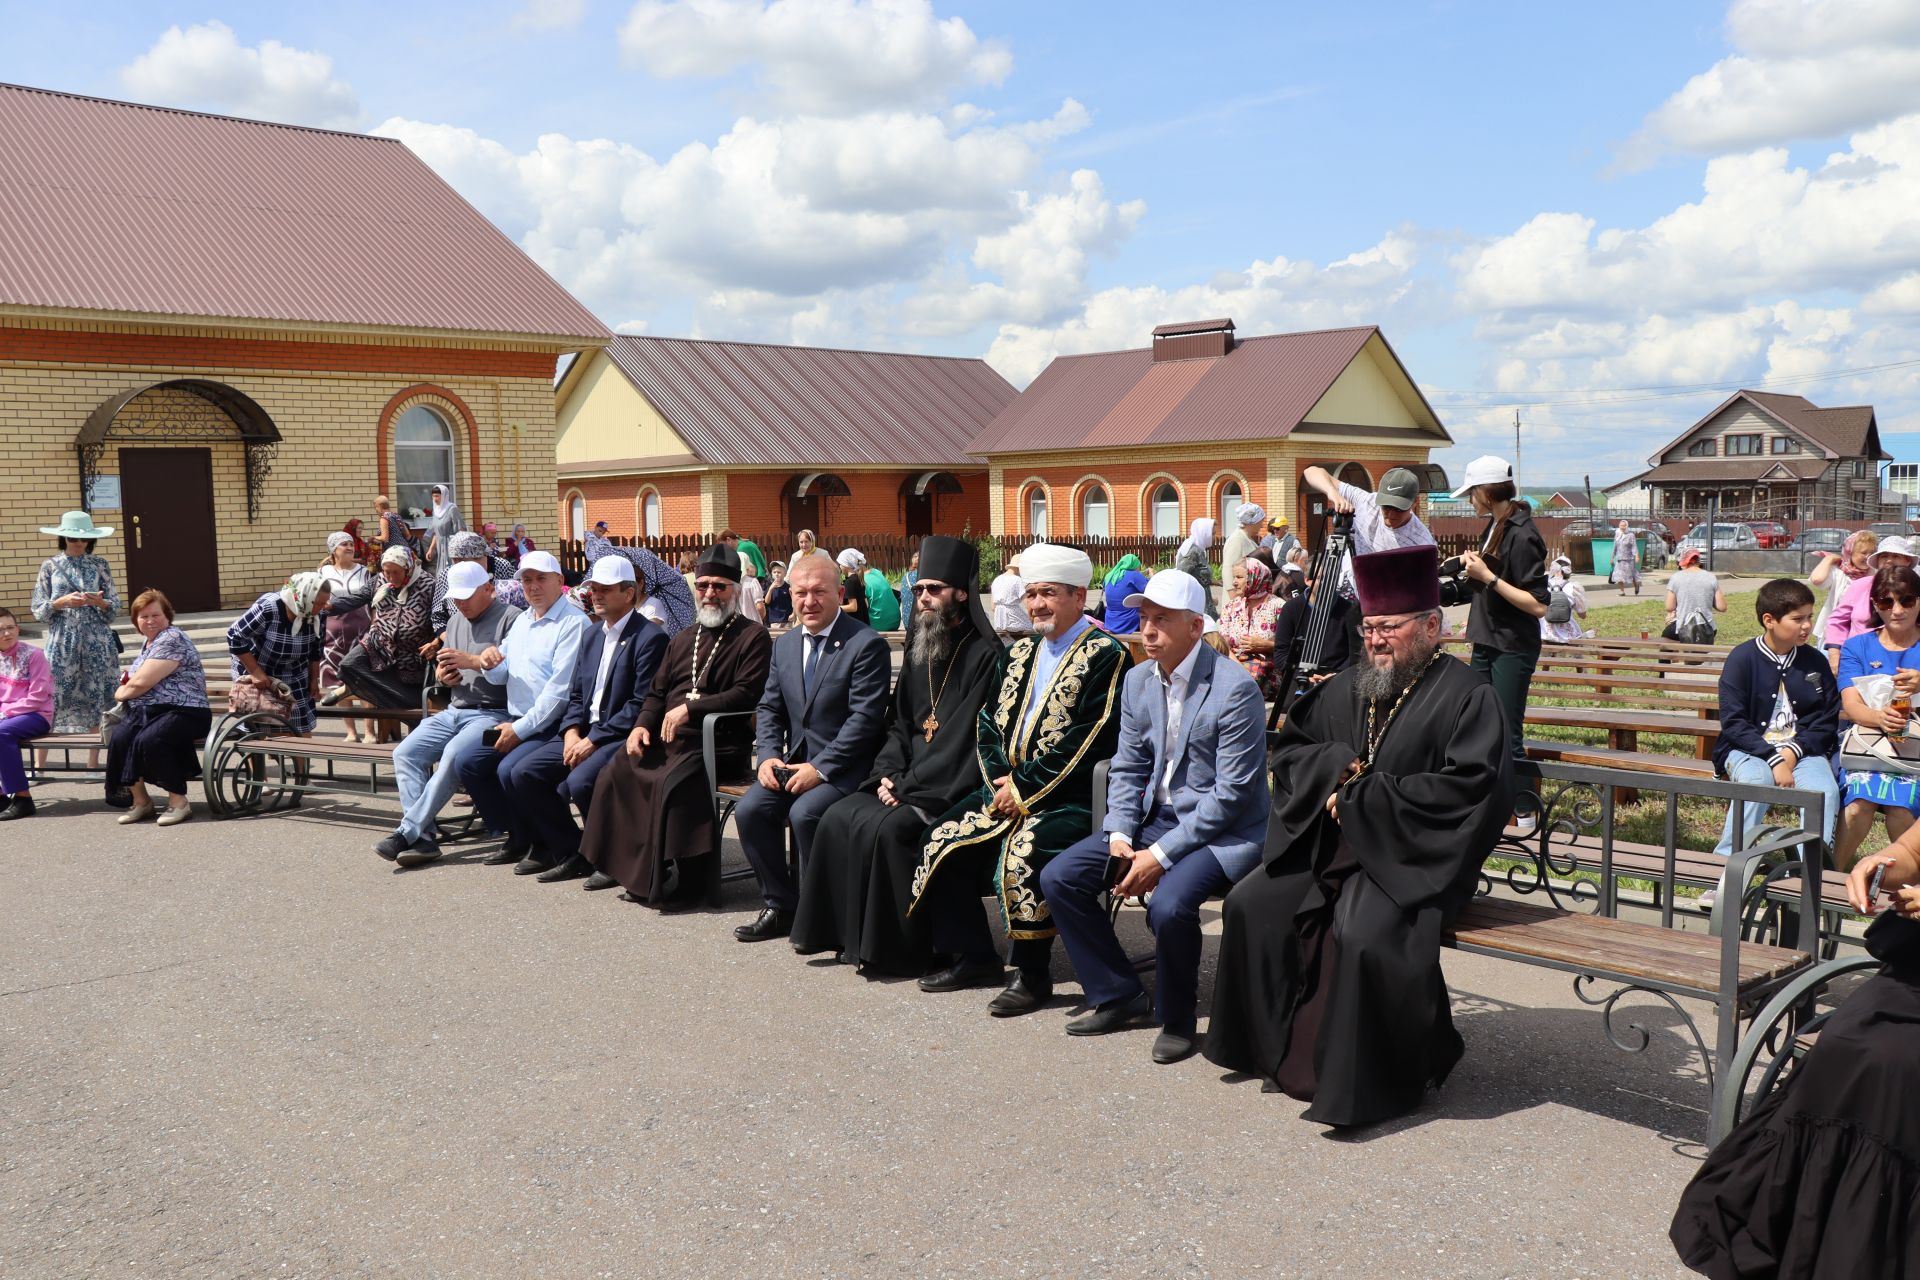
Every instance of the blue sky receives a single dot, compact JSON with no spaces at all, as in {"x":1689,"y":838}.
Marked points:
{"x":1544,"y":208}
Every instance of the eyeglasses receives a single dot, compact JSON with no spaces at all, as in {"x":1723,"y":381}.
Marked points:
{"x":1372,"y":629}
{"x":930,"y":588}
{"x":712,"y":588}
{"x":1888,"y":602}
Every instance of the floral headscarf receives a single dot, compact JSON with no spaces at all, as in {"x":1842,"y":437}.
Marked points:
{"x":1854,"y":539}
{"x":1259,"y":580}
{"x":335,"y":541}
{"x":385,"y":592}
{"x":299,"y":594}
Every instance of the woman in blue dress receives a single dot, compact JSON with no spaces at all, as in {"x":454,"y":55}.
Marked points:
{"x":1888,"y":651}
{"x":75,"y":598}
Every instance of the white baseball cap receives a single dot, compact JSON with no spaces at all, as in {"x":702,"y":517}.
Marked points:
{"x":1171,"y":589}
{"x":538,"y":562}
{"x":611,"y":571}
{"x":1486,"y":469}
{"x":465,"y":578}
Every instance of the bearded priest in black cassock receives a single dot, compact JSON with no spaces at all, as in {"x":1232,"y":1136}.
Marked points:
{"x":859,"y":875}
{"x":652,"y":806}
{"x":1391,"y":783}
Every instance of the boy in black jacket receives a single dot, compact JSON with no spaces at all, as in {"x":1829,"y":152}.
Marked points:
{"x":1779,"y":709}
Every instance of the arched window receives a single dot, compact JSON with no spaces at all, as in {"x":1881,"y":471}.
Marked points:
{"x":1037,"y":512}
{"x":1166,"y":512}
{"x":650,"y":513}
{"x":422,"y":458}
{"x":577,"y":516}
{"x":1230,"y":499}
{"x":1094,"y":508}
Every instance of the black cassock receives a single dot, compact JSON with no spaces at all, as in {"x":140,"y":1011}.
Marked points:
{"x":1329,"y":981}
{"x":859,"y":876}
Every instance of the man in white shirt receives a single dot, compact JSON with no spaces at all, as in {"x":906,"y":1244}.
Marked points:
{"x":1187,"y":810}
{"x":1381,"y":521}
{"x":1008,"y":593}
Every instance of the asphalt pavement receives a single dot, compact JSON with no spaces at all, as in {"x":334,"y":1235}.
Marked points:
{"x":251,"y":1048}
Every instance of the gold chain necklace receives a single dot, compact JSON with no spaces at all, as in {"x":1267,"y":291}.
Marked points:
{"x":1375,"y":735}
{"x":932,"y":723}
{"x":699,"y":668}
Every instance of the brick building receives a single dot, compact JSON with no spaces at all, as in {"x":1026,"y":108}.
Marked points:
{"x":677,"y":436}
{"x":224,"y":337}
{"x":1140,"y":443}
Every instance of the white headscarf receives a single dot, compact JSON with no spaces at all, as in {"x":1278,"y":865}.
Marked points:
{"x":850,"y":560}
{"x":1199,"y":536}
{"x":335,"y":541}
{"x":445,"y":501}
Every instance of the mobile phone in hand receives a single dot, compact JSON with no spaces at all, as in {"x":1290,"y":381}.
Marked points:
{"x":490,"y":736}
{"x":1117,"y":869}
{"x":1873,"y":885}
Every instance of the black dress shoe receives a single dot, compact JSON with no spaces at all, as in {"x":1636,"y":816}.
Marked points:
{"x":531,"y":866}
{"x":970,"y":972}
{"x":392,"y":846}
{"x":1170,"y":1048}
{"x":18,"y":807}
{"x":766,"y":926}
{"x":500,"y":859}
{"x":572,"y":869}
{"x":1027,"y":992}
{"x":419,"y":853}
{"x":1112,"y":1017}
{"x":599,"y":880}
{"x":119,"y":798}
{"x":628,"y":895}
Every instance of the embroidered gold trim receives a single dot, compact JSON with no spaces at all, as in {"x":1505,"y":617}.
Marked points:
{"x":1093,"y":732}
{"x":976,"y":826}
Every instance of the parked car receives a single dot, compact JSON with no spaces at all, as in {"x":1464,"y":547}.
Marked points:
{"x":1815,"y":543}
{"x":1891,"y":529}
{"x":1655,"y":528}
{"x":1771,"y":535}
{"x":1726,"y":537}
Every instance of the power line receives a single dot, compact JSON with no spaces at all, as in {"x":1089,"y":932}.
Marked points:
{"x":1638,"y":395}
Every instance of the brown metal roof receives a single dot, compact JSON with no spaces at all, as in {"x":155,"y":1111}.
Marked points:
{"x":749,"y":404}
{"x":1846,"y":431}
{"x":1729,"y":470}
{"x":112,"y":206}
{"x":1261,"y":390}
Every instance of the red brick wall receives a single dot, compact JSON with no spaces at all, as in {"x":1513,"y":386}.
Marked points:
{"x":873,"y":506}
{"x":1129,"y":491}
{"x":615,"y":499}
{"x":68,"y":346}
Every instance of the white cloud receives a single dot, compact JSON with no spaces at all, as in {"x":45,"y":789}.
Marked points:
{"x":205,"y":66}
{"x":1805,"y":69}
{"x":817,"y":56}
{"x":551,"y":13}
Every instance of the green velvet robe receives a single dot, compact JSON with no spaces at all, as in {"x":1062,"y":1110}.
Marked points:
{"x":1052,"y":769}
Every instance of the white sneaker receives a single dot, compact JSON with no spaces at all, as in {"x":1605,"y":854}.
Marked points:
{"x":174,"y":817}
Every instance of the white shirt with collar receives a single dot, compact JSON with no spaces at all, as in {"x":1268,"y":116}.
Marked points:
{"x":1174,"y":689}
{"x":610,"y":633}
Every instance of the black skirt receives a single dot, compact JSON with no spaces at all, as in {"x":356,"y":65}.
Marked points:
{"x":158,"y":745}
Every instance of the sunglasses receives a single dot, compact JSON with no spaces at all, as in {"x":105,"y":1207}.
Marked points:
{"x":930,"y":588}
{"x":1889,"y":602}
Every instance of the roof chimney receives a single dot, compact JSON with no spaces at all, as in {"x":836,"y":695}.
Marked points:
{"x":1193,"y":340}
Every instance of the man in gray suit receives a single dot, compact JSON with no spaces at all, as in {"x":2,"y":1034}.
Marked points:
{"x":1187,"y":808}
{"x":821,"y":722}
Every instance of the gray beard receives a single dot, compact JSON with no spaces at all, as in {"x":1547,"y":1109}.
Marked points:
{"x":933,"y":639}
{"x":716,"y":615}
{"x":1384,"y":684}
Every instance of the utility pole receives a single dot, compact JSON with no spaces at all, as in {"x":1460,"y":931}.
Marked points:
{"x":1516,"y":448}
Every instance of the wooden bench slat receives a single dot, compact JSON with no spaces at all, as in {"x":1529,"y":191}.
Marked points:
{"x":1621,"y":948}
{"x":1614,"y":758}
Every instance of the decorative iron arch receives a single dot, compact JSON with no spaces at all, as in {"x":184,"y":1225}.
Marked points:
{"x":252,"y":424}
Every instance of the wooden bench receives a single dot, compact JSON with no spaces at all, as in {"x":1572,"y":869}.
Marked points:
{"x":251,"y":764}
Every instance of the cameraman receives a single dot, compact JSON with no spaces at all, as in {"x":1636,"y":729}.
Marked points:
{"x":1508,"y":578}
{"x":1381,"y":521}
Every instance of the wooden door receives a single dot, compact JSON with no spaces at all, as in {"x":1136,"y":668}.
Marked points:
{"x":919,"y":514}
{"x":804,"y":513}
{"x":166,"y":498}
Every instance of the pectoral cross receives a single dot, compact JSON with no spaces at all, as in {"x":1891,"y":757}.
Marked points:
{"x":931,"y":725}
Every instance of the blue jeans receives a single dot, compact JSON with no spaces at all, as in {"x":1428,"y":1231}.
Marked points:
{"x":424,"y":789}
{"x":1814,"y":774}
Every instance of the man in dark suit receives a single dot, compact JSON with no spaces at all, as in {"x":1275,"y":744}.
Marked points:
{"x":610,"y":680}
{"x":821,"y":722}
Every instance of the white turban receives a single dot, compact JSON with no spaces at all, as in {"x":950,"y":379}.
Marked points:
{"x":1044,"y":562}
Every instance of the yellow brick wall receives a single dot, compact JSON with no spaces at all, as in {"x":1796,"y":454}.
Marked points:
{"x":326,"y":472}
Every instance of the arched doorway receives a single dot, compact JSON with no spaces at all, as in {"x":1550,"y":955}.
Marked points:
{"x":1313,"y":508}
{"x":803,"y":497}
{"x":166,"y":433}
{"x":918,"y":494}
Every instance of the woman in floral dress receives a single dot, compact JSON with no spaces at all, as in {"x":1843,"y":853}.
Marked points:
{"x":1248,"y":621}
{"x":75,"y":598}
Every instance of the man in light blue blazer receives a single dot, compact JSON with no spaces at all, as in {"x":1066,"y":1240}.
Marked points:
{"x":1187,"y":806}
{"x":821,"y":722}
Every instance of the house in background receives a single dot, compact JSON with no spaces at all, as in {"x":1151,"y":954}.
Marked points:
{"x":1139,"y":443}
{"x":679,"y":436}
{"x":224,"y":337}
{"x":1763,"y":454}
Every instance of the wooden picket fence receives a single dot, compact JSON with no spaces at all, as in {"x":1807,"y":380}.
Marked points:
{"x":888,"y":552}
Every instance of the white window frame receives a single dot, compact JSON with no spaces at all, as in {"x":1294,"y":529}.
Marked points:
{"x":1092,"y":497}
{"x":418,"y":451}
{"x":1171,"y":509}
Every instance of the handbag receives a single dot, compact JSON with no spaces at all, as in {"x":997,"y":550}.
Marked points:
{"x":246,"y":698}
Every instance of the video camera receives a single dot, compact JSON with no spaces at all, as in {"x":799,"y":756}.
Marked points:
{"x":1455,"y":586}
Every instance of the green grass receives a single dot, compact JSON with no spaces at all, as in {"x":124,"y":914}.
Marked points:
{"x":1649,"y":614}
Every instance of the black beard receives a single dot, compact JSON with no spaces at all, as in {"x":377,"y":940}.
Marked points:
{"x":1384,"y":684}
{"x":933,"y":638}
